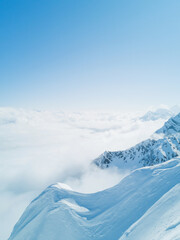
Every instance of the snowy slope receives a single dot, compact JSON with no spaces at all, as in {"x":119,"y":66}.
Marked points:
{"x":164,"y":145}
{"x":161,"y":221}
{"x":142,"y":199}
{"x":171,"y":127}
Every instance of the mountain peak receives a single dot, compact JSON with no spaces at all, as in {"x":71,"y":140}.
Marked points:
{"x":163,"y":146}
{"x":160,"y":113}
{"x":172,"y":126}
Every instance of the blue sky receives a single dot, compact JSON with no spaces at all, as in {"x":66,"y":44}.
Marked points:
{"x":89,"y":54}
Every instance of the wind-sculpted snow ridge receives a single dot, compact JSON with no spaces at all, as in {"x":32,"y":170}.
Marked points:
{"x":132,"y":208}
{"x":164,"y":145}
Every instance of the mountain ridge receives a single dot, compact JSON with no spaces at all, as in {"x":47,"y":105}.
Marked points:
{"x":162,"y":146}
{"x":59,"y":213}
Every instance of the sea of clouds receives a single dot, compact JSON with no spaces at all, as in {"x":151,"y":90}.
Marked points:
{"x":39,"y":148}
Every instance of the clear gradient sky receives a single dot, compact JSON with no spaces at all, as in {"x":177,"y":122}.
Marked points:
{"x":89,"y":54}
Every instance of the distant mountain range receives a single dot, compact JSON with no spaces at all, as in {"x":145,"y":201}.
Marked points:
{"x":161,"y":113}
{"x":162,"y":146}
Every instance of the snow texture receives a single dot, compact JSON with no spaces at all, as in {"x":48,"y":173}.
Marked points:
{"x":144,"y":205}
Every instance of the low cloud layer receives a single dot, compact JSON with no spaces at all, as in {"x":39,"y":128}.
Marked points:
{"x":40,"y":148}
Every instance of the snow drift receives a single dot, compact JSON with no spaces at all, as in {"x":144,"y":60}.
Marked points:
{"x":144,"y":205}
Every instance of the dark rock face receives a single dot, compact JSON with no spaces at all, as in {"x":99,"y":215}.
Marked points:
{"x":164,"y":146}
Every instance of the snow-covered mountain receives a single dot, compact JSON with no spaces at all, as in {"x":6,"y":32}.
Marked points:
{"x":160,"y":113}
{"x":171,"y":127}
{"x":145,"y":205}
{"x":164,"y":145}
